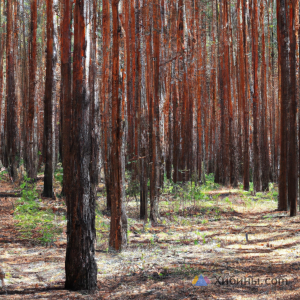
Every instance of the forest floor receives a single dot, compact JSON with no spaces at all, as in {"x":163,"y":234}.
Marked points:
{"x":202,"y":231}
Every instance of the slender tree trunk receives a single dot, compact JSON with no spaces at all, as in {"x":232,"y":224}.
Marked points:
{"x":299,"y":109}
{"x":176,"y":137}
{"x":224,"y":139}
{"x":292,"y":175}
{"x":283,"y":62}
{"x":11,"y":130}
{"x":244,"y":87}
{"x":264,"y":120}
{"x":31,"y":156}
{"x":118,"y":226}
{"x":2,"y":47}
{"x":48,"y":102}
{"x":139,"y":148}
{"x":231,"y":97}
{"x":256,"y":150}
{"x":213,"y":92}
{"x":155,"y":166}
{"x":66,"y":91}
{"x":94,"y":112}
{"x":199,"y":90}
{"x":167,"y":106}
{"x":106,"y":80}
{"x":227,"y":90}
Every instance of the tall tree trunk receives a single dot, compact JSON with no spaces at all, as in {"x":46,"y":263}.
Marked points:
{"x":175,"y":99}
{"x":81,"y":267}
{"x":244,"y":88}
{"x":66,"y":93}
{"x":155,"y":141}
{"x":224,"y":139}
{"x":2,"y":47}
{"x":106,"y":80}
{"x":118,"y":225}
{"x":94,"y":112}
{"x":232,"y":104}
{"x":199,"y":90}
{"x":31,"y":155}
{"x":140,"y":143}
{"x":128,"y":30}
{"x":299,"y":110}
{"x":50,"y":93}
{"x":264,"y":120}
{"x":227,"y":90}
{"x":256,"y":150}
{"x":11,"y":129}
{"x":292,"y":168}
{"x":132,"y":79}
{"x":283,"y":62}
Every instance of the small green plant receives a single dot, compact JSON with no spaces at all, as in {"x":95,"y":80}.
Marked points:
{"x":210,"y":182}
{"x":203,"y":238}
{"x":58,"y":174}
{"x":29,"y":192}
{"x":39,"y":225}
{"x":2,"y":175}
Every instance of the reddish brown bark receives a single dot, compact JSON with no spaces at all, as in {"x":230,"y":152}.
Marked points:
{"x":2,"y":47}
{"x":66,"y":91}
{"x":40,"y":106}
{"x":167,"y":106}
{"x":204,"y":95}
{"x":244,"y":89}
{"x":128,"y":30}
{"x":174,"y":84}
{"x":213,"y":89}
{"x":223,"y":92}
{"x":105,"y":105}
{"x":283,"y":62}
{"x":48,"y":103}
{"x":118,"y":226}
{"x":132,"y":87}
{"x":140,"y":150}
{"x":199,"y":108}
{"x":299,"y":109}
{"x":227,"y":92}
{"x":256,"y":150}
{"x":11,"y":129}
{"x":31,"y":155}
{"x":264,"y":117}
{"x":292,"y":168}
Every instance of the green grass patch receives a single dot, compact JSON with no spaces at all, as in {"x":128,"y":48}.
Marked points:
{"x":34,"y":223}
{"x":58,"y":174}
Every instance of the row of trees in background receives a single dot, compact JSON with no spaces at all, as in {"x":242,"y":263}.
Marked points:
{"x":160,"y":88}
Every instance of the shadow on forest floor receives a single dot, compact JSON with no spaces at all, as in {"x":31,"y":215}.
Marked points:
{"x":228,"y":236}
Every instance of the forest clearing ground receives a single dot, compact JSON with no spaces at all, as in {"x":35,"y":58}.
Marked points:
{"x":205,"y":236}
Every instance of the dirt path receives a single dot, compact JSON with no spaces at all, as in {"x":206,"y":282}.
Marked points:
{"x":161,"y":263}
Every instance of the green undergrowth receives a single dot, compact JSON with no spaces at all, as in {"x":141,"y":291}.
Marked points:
{"x":271,"y":195}
{"x":58,"y":174}
{"x":35,"y":222}
{"x":190,"y":191}
{"x":3,"y":175}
